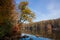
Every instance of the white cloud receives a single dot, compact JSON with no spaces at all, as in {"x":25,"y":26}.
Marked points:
{"x":52,"y":13}
{"x":54,"y":10}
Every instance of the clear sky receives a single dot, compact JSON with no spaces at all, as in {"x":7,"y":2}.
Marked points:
{"x":44,"y":9}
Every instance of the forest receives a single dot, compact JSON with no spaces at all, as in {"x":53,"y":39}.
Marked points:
{"x":47,"y":28}
{"x":16,"y":19}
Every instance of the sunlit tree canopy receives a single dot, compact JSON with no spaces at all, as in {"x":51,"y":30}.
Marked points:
{"x":25,"y":13}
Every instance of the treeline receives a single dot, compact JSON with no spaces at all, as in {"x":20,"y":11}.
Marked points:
{"x":43,"y":27}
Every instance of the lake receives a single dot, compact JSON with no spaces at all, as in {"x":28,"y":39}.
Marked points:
{"x":33,"y":37}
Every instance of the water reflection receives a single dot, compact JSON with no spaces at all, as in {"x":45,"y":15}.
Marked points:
{"x":49,"y":29}
{"x":33,"y":37}
{"x":53,"y":35}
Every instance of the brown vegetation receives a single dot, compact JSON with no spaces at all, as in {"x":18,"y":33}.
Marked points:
{"x":47,"y":28}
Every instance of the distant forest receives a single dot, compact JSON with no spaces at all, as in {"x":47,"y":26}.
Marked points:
{"x":43,"y":27}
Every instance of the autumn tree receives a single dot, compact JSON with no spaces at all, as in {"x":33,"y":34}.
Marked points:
{"x":6,"y":18}
{"x":25,"y":13}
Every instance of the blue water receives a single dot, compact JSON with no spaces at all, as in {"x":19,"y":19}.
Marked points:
{"x":33,"y":37}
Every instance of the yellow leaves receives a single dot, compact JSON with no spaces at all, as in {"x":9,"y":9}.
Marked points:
{"x":24,"y":16}
{"x":26,"y":11}
{"x":28,"y":14}
{"x":22,"y":5}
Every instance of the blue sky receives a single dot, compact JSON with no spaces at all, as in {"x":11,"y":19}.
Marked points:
{"x":44,"y":9}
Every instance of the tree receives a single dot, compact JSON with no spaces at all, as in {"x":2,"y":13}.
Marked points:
{"x":6,"y":18}
{"x":25,"y":13}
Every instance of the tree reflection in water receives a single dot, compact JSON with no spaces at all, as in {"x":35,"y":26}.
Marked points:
{"x":47,"y":29}
{"x":54,"y":35}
